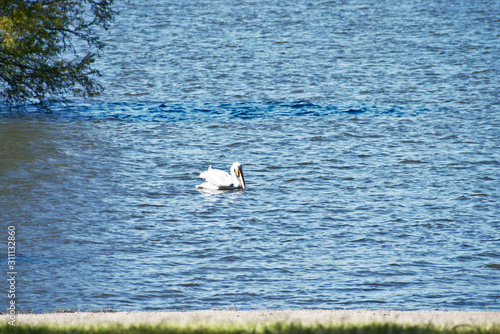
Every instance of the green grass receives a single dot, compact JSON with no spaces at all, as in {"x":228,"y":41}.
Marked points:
{"x":282,"y":328}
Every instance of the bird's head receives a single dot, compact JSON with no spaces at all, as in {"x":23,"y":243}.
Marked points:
{"x":238,"y":171}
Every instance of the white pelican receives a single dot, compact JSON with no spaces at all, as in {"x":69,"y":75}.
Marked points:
{"x":220,"y":180}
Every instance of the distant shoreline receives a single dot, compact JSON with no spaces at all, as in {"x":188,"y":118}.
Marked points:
{"x":231,"y":317}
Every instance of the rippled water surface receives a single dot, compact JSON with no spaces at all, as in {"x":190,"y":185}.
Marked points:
{"x":369,"y":138}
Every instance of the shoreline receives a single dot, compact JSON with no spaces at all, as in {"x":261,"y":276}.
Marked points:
{"x":263,"y":317}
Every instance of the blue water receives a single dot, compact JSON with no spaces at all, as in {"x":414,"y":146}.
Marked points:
{"x":369,"y":139}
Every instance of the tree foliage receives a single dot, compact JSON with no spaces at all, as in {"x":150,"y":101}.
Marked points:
{"x":47,"y":47}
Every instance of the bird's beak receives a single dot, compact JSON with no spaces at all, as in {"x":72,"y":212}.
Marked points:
{"x":242,"y":178}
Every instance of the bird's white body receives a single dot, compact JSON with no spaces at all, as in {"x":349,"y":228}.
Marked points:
{"x":220,"y":180}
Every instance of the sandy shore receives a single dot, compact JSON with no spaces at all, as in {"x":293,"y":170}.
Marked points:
{"x":441,"y":318}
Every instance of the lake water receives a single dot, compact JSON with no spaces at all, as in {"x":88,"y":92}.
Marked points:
{"x":369,"y":135}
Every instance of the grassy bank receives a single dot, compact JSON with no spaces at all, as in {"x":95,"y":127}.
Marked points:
{"x":375,"y":328}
